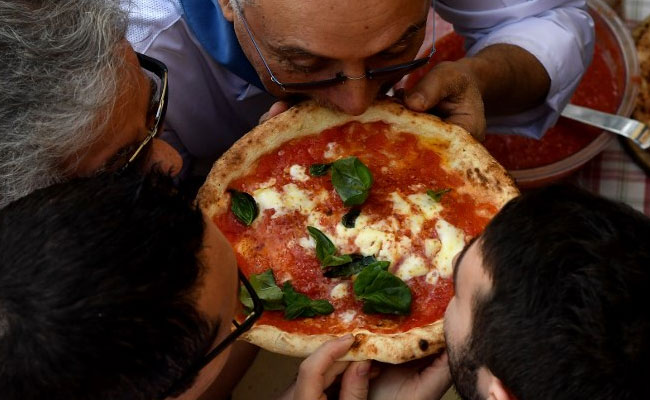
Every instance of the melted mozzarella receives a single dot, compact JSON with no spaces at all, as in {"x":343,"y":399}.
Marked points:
{"x":414,"y":223}
{"x":452,"y":242}
{"x":298,"y":173}
{"x":340,"y":291}
{"x":371,"y":241}
{"x":291,"y":198}
{"x":347,"y":316}
{"x":379,"y":238}
{"x":412,"y":267}
{"x":307,"y":242}
{"x":268,"y":198}
{"x":430,"y":208}
{"x":330,"y":151}
{"x":400,"y":205}
{"x":432,"y":277}
{"x":432,"y":247}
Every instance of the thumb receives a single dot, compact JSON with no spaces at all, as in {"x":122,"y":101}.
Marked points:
{"x":436,"y":378}
{"x":354,"y":385}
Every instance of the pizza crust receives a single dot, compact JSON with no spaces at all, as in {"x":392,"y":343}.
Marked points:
{"x":484,"y":175}
{"x":485,"y":178}
{"x":394,"y":348}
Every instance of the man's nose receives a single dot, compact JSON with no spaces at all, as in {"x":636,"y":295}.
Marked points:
{"x":354,"y":96}
{"x":164,"y":157}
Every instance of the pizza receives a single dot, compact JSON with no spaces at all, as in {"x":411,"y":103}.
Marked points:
{"x":641,"y":35}
{"x":350,"y":224}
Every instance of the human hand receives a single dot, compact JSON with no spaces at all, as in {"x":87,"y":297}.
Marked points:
{"x":320,"y":370}
{"x":277,"y":108}
{"x":451,"y":90}
{"x":410,"y":381}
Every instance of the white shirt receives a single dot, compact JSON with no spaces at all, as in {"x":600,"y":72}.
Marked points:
{"x":211,"y":107}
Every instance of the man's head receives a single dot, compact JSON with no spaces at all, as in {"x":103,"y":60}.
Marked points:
{"x":74,"y":98}
{"x":111,"y":288}
{"x":315,"y":40}
{"x":550,"y":301}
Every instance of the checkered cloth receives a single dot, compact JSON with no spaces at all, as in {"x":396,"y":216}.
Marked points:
{"x":613,"y":174}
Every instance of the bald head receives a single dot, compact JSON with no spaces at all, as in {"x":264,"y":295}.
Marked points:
{"x":315,"y":40}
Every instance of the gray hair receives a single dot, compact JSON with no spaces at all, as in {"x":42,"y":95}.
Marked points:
{"x":58,"y":85}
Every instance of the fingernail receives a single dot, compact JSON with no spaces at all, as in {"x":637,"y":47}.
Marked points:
{"x":416,"y":100}
{"x":364,"y":368}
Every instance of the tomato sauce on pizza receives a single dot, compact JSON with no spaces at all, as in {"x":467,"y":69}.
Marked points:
{"x":350,"y":224}
{"x":398,"y":222}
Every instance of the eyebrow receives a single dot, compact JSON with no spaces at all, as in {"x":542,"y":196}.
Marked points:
{"x":292,"y":51}
{"x":460,"y":258}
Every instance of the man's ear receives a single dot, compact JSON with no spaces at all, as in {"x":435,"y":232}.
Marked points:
{"x":227,"y":10}
{"x":491,"y":387}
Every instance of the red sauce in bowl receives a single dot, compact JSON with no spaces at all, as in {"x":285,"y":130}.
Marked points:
{"x":601,"y":88}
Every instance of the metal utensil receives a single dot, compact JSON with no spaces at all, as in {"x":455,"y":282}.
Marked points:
{"x":632,"y":129}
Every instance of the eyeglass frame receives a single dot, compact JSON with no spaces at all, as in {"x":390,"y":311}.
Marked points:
{"x":240,"y":329}
{"x":159,"y":69}
{"x":339,"y":78}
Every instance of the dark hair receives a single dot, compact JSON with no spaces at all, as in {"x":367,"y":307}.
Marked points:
{"x":97,"y":290}
{"x":567,"y":315}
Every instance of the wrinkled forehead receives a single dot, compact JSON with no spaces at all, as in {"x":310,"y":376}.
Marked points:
{"x":332,"y":26}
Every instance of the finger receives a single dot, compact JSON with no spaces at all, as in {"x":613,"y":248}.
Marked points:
{"x":277,"y":108}
{"x":436,"y":378}
{"x":354,"y":385}
{"x":318,"y":371}
{"x":441,"y":82}
{"x":454,"y":94}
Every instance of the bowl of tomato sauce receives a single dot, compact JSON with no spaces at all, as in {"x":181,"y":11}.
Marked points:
{"x":610,"y":84}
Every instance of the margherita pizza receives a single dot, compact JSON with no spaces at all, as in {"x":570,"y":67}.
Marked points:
{"x":350,"y":224}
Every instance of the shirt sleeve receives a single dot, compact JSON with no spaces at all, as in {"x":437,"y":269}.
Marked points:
{"x":559,"y":33}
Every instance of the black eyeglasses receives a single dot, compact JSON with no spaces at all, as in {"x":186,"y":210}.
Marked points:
{"x":239,"y":329}
{"x":383,"y":73}
{"x":158,"y":76}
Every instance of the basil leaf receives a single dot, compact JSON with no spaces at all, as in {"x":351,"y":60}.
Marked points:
{"x":298,"y":305}
{"x":324,"y":246}
{"x":357,"y":265}
{"x":351,"y":180}
{"x":436,"y":195}
{"x":319,"y":169}
{"x":350,"y":218}
{"x":333,"y":260}
{"x":382,"y":292}
{"x":244,"y":207}
{"x":267,"y":290}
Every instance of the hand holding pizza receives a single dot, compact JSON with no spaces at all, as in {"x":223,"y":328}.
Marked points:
{"x":453,"y":92}
{"x":320,"y":369}
{"x":410,"y":381}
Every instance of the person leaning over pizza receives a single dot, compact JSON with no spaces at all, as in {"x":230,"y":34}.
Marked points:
{"x":75,"y":97}
{"x":118,"y":288}
{"x":230,"y":60}
{"x":550,"y":303}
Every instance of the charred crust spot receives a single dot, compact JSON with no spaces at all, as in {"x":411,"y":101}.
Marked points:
{"x":358,"y":341}
{"x":328,"y":212}
{"x":479,"y":174}
{"x":423,"y":344}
